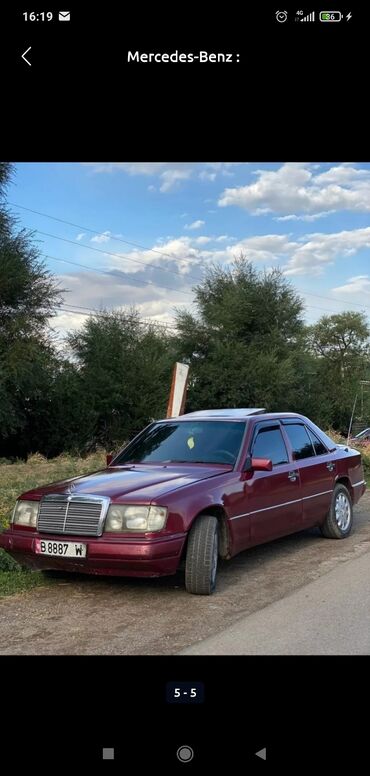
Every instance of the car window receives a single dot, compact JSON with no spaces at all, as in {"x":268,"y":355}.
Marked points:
{"x":319,"y":448}
{"x":195,"y":441}
{"x":269,"y":443}
{"x":300,"y":441}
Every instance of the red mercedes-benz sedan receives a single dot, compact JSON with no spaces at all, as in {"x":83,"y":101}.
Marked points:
{"x":199,"y":487}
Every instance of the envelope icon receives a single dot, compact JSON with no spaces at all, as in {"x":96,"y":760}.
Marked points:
{"x":64,"y":16}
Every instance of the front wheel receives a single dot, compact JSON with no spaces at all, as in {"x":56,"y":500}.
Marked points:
{"x":339,"y":520}
{"x":202,"y":556}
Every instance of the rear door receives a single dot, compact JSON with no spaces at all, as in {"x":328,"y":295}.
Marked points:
{"x":317,"y":470}
{"x":272,"y":499}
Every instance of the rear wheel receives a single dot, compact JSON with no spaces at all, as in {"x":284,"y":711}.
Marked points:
{"x":202,"y":556}
{"x":339,"y":520}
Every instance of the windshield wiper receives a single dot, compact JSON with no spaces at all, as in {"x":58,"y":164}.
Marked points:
{"x":183,"y":460}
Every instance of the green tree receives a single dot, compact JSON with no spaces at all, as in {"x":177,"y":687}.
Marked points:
{"x":125,"y":372}
{"x":340,"y":344}
{"x":243,"y":344}
{"x":28,"y":296}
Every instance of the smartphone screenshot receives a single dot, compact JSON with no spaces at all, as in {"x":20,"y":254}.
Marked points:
{"x":184,"y":388}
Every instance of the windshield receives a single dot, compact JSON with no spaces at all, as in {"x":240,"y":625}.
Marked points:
{"x":202,"y":441}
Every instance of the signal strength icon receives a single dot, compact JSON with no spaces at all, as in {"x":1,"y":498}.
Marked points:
{"x":309,"y":18}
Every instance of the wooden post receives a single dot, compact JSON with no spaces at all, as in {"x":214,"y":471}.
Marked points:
{"x":179,"y":384}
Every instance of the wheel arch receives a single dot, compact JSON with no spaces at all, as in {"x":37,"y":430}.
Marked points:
{"x":217,"y":510}
{"x":345,"y":480}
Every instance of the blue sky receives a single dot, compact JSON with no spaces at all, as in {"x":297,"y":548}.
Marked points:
{"x":310,"y":219}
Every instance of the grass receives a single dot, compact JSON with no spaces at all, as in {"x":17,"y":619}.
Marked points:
{"x":17,"y":478}
{"x":19,"y":581}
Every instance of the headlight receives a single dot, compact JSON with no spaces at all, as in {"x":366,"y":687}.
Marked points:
{"x":135,"y":518}
{"x":25,"y":513}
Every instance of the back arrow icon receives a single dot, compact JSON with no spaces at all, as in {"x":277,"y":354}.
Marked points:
{"x":24,"y":55}
{"x":261,"y":754}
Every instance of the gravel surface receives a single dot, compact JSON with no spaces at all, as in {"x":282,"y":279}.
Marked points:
{"x":90,"y":615}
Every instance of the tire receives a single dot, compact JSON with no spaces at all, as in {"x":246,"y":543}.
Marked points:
{"x":202,"y":556}
{"x":339,"y":520}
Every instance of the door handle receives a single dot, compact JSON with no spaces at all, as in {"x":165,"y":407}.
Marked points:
{"x":330,"y":466}
{"x":292,"y":476}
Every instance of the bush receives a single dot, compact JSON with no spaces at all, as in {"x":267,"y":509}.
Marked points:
{"x":7,"y":563}
{"x":35,"y":459}
{"x":336,"y":437}
{"x":364,"y":449}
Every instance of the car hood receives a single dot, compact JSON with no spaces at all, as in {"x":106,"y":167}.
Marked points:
{"x":139,"y":482}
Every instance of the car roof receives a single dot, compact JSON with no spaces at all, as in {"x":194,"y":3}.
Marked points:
{"x":234,"y":414}
{"x":225,"y":413}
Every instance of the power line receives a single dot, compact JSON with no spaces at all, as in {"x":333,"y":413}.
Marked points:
{"x":80,"y":310}
{"x":152,"y":250}
{"x":324,"y":309}
{"x":118,"y":239}
{"x":145,"y":321}
{"x":87,"y":310}
{"x":335,"y":299}
{"x":113,"y":273}
{"x":110,"y":253}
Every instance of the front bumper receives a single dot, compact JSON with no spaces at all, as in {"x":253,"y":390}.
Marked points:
{"x":129,"y":557}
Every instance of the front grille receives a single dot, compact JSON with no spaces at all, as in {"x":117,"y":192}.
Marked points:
{"x":72,"y":515}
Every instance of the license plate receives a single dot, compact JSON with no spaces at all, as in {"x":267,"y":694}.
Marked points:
{"x":61,"y":549}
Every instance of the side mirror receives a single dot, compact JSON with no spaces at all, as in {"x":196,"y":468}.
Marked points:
{"x":261,"y":464}
{"x":109,"y":458}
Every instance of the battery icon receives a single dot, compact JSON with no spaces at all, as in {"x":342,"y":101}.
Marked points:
{"x":330,"y":16}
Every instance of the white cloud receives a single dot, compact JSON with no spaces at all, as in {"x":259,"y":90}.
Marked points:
{"x":297,"y":189}
{"x":312,"y":217}
{"x":195,"y":225}
{"x":171,"y":178}
{"x":132,"y":168}
{"x":151,"y":188}
{"x":102,"y":238}
{"x":341,"y":175}
{"x":81,"y":235}
{"x":145,"y":284}
{"x":188,"y":255}
{"x":176,"y":254}
{"x":318,"y":250}
{"x":118,"y":289}
{"x":207,"y":176}
{"x":170,"y":174}
{"x":223,"y":167}
{"x":266,"y":248}
{"x":203,"y":240}
{"x":360,"y":284}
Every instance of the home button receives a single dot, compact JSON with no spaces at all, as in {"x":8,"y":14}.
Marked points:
{"x":185,"y":754}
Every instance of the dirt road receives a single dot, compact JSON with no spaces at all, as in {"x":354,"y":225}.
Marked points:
{"x":82,"y":615}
